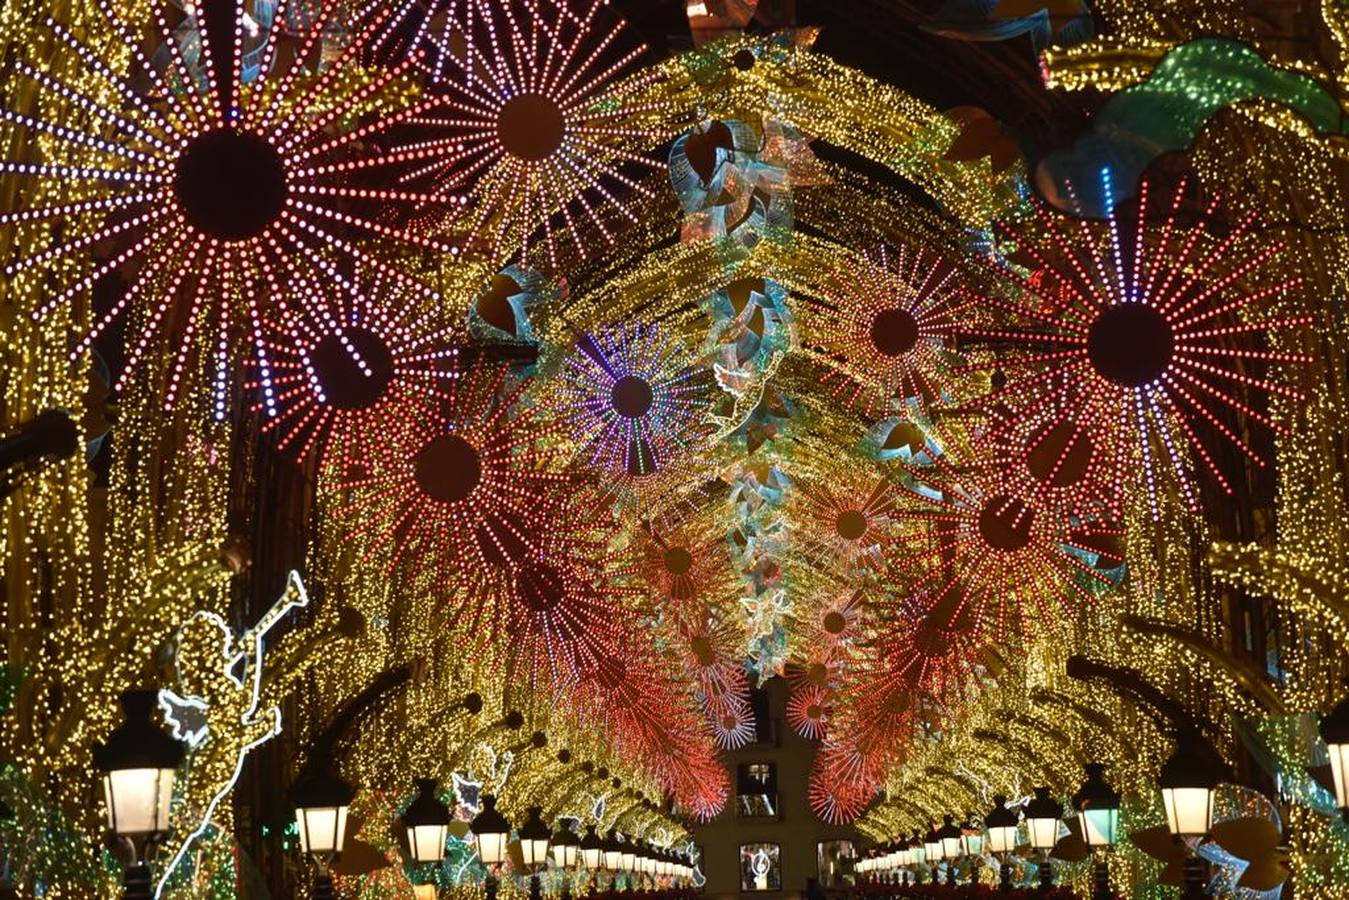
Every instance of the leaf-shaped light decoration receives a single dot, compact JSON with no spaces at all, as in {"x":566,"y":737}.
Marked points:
{"x":1159,"y":843}
{"x":1256,"y":840}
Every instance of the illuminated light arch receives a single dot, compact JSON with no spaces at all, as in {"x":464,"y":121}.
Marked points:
{"x":220,"y":211}
{"x":1141,"y":344}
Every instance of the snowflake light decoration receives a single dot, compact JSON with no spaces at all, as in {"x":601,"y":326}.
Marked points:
{"x":732,"y":725}
{"x":1144,"y":342}
{"x":886,"y":334}
{"x":464,"y":477}
{"x":998,"y":552}
{"x":634,"y":398}
{"x":554,"y":612}
{"x":221,"y":196}
{"x":337,"y":362}
{"x":530,"y":124}
{"x":845,"y":519}
{"x":808,"y":712}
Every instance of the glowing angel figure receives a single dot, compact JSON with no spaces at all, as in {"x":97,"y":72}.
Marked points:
{"x":221,"y":198}
{"x":887,"y":329}
{"x":530,"y":125}
{"x":463,"y":477}
{"x":1147,"y":342}
{"x":218,"y":714}
{"x":339,"y":361}
{"x":634,"y":398}
{"x":977,"y":539}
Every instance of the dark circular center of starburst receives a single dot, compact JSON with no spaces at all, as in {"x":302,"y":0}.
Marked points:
{"x":540,"y":587}
{"x":894,"y":332}
{"x":352,"y":373}
{"x":1005,"y":523}
{"x":531,"y":127}
{"x":702,"y":650}
{"x":1131,"y":344}
{"x":231,"y":184}
{"x":631,"y":397}
{"x":851,"y":524}
{"x":817,"y":673}
{"x":729,"y":722}
{"x":447,"y":468}
{"x":678,"y":561}
{"x":835,"y":622}
{"x":813,"y":711}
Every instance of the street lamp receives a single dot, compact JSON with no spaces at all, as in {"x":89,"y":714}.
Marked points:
{"x":950,"y":847}
{"x":1043,"y":815}
{"x":566,"y":850}
{"x":491,"y":833}
{"x":534,"y":840}
{"x":1097,"y":805}
{"x":1335,"y":732}
{"x":428,"y":823}
{"x":321,"y":803}
{"x":1001,"y":823}
{"x":138,"y":763}
{"x":627,"y":859}
{"x":592,"y":850}
{"x":613,"y":854}
{"x":932,"y":844}
{"x":1187,"y":781}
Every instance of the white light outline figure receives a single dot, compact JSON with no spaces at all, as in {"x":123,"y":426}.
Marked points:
{"x":294,"y":597}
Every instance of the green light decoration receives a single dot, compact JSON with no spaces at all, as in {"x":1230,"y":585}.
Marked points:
{"x":1165,"y":113}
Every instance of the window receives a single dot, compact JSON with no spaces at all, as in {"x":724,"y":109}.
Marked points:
{"x":835,"y":861}
{"x":757,"y":790}
{"x":760,"y":867}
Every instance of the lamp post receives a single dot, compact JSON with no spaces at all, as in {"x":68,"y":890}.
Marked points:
{"x":534,"y":841}
{"x":491,"y":833}
{"x":566,"y":849}
{"x":1001,"y":823}
{"x":613,"y":857}
{"x":972,"y":843}
{"x":932,"y":844}
{"x":1097,"y":805}
{"x":1335,"y":732}
{"x":138,"y":763}
{"x":1187,"y":781}
{"x":428,"y":823}
{"x":1043,"y":815}
{"x":321,"y":803}
{"x":950,"y":847}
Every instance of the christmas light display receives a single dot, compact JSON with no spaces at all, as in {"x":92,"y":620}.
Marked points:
{"x":1139,"y":341}
{"x":519,"y":132}
{"x":990,"y":553}
{"x":808,"y":712}
{"x":229,"y":194}
{"x":978,"y":542}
